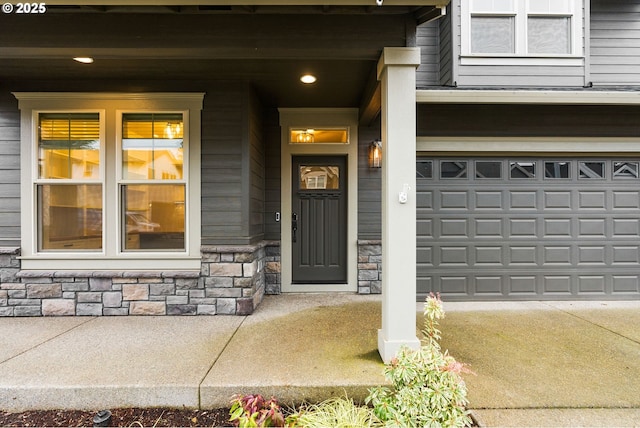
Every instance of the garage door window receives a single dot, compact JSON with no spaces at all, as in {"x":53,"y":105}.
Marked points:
{"x":522,"y":169}
{"x":453,"y":169}
{"x":555,"y":169}
{"x":594,"y":170}
{"x":424,"y":169}
{"x":625,"y":170}
{"x":488,"y":169}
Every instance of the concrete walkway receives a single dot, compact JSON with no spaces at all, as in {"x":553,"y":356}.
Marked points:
{"x":536,"y":363}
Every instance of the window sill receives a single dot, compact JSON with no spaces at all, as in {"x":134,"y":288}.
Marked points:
{"x":565,"y":60}
{"x":64,"y":262}
{"x":108,"y":274}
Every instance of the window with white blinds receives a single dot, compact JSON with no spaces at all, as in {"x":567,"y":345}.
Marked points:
{"x":113,"y":181}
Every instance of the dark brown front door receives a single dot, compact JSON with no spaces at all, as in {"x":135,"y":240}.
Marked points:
{"x":319,"y":219}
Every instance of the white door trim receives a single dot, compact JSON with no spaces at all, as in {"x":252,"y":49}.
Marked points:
{"x":318,"y":118}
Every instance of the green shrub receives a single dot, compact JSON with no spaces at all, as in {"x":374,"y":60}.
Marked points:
{"x":427,"y":389}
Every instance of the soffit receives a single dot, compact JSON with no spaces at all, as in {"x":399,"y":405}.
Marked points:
{"x":167,"y":48}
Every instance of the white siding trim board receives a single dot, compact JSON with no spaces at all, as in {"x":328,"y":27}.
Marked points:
{"x":527,"y":97}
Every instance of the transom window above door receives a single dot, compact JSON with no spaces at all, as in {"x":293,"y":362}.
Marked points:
{"x":521,"y":31}
{"x":319,"y":135}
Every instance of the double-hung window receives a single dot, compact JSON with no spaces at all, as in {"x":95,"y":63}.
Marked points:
{"x":510,"y":31}
{"x":69,"y":182}
{"x":110,"y":181}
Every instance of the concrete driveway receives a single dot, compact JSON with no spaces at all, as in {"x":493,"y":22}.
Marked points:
{"x":536,"y":363}
{"x":549,"y":363}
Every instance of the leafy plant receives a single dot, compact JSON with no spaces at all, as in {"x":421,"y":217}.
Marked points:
{"x":336,"y":412}
{"x":254,"y":411}
{"x":427,"y":389}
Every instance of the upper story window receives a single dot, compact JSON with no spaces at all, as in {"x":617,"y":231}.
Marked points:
{"x":113,"y":181}
{"x":521,"y":31}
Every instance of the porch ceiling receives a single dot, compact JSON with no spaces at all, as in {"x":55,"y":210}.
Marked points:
{"x":141,"y":48}
{"x":340,"y":83}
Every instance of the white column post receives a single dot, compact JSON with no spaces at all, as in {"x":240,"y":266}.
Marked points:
{"x":397,"y":76}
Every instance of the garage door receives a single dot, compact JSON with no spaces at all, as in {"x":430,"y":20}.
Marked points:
{"x":499,"y":229}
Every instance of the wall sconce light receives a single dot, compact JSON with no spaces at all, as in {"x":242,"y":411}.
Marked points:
{"x":375,"y":154}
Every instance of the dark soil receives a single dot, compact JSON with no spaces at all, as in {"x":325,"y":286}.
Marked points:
{"x":132,"y":418}
{"x":119,"y":418}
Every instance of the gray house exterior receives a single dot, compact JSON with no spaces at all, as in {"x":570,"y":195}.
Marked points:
{"x":529,"y":153}
{"x":187,"y":170}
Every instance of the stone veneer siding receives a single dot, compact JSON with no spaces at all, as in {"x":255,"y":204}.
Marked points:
{"x":232,"y":281}
{"x":369,"y":267}
{"x":272,"y":268}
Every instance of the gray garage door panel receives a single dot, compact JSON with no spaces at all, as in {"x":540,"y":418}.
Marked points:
{"x":529,"y":228}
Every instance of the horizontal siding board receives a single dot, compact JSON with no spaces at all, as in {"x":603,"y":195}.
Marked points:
{"x":221,"y":203}
{"x":224,"y":188}
{"x":222,"y":163}
{"x":10,"y":205}
{"x":271,"y":128}
{"x":9,"y":176}
{"x":369,"y":188}
{"x":9,"y":219}
{"x":522,"y":81}
{"x":217,"y":161}
{"x":226,"y":220}
{"x":9,"y":147}
{"x":428,"y":73}
{"x":516,"y":71}
{"x":9,"y":169}
{"x":10,"y":133}
{"x":615,"y":42}
{"x":10,"y":162}
{"x":11,"y":242}
{"x":611,"y":60}
{"x":210,"y":231}
{"x":612,"y":79}
{"x":9,"y":118}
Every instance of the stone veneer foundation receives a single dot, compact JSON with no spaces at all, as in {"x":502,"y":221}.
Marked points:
{"x":369,"y":267}
{"x":232,"y":281}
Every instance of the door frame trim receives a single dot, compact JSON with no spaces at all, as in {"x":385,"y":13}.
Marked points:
{"x":317,"y":118}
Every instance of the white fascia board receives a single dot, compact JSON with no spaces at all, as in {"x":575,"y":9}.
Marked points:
{"x":526,"y":97}
{"x":438,"y":3}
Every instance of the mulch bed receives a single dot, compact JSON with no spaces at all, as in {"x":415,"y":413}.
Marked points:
{"x":119,"y":418}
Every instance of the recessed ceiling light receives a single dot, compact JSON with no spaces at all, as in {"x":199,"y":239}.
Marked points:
{"x":84,"y":59}
{"x":308,"y":78}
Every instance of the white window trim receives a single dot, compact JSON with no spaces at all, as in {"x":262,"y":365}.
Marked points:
{"x":110,"y":106}
{"x":521,"y":56}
